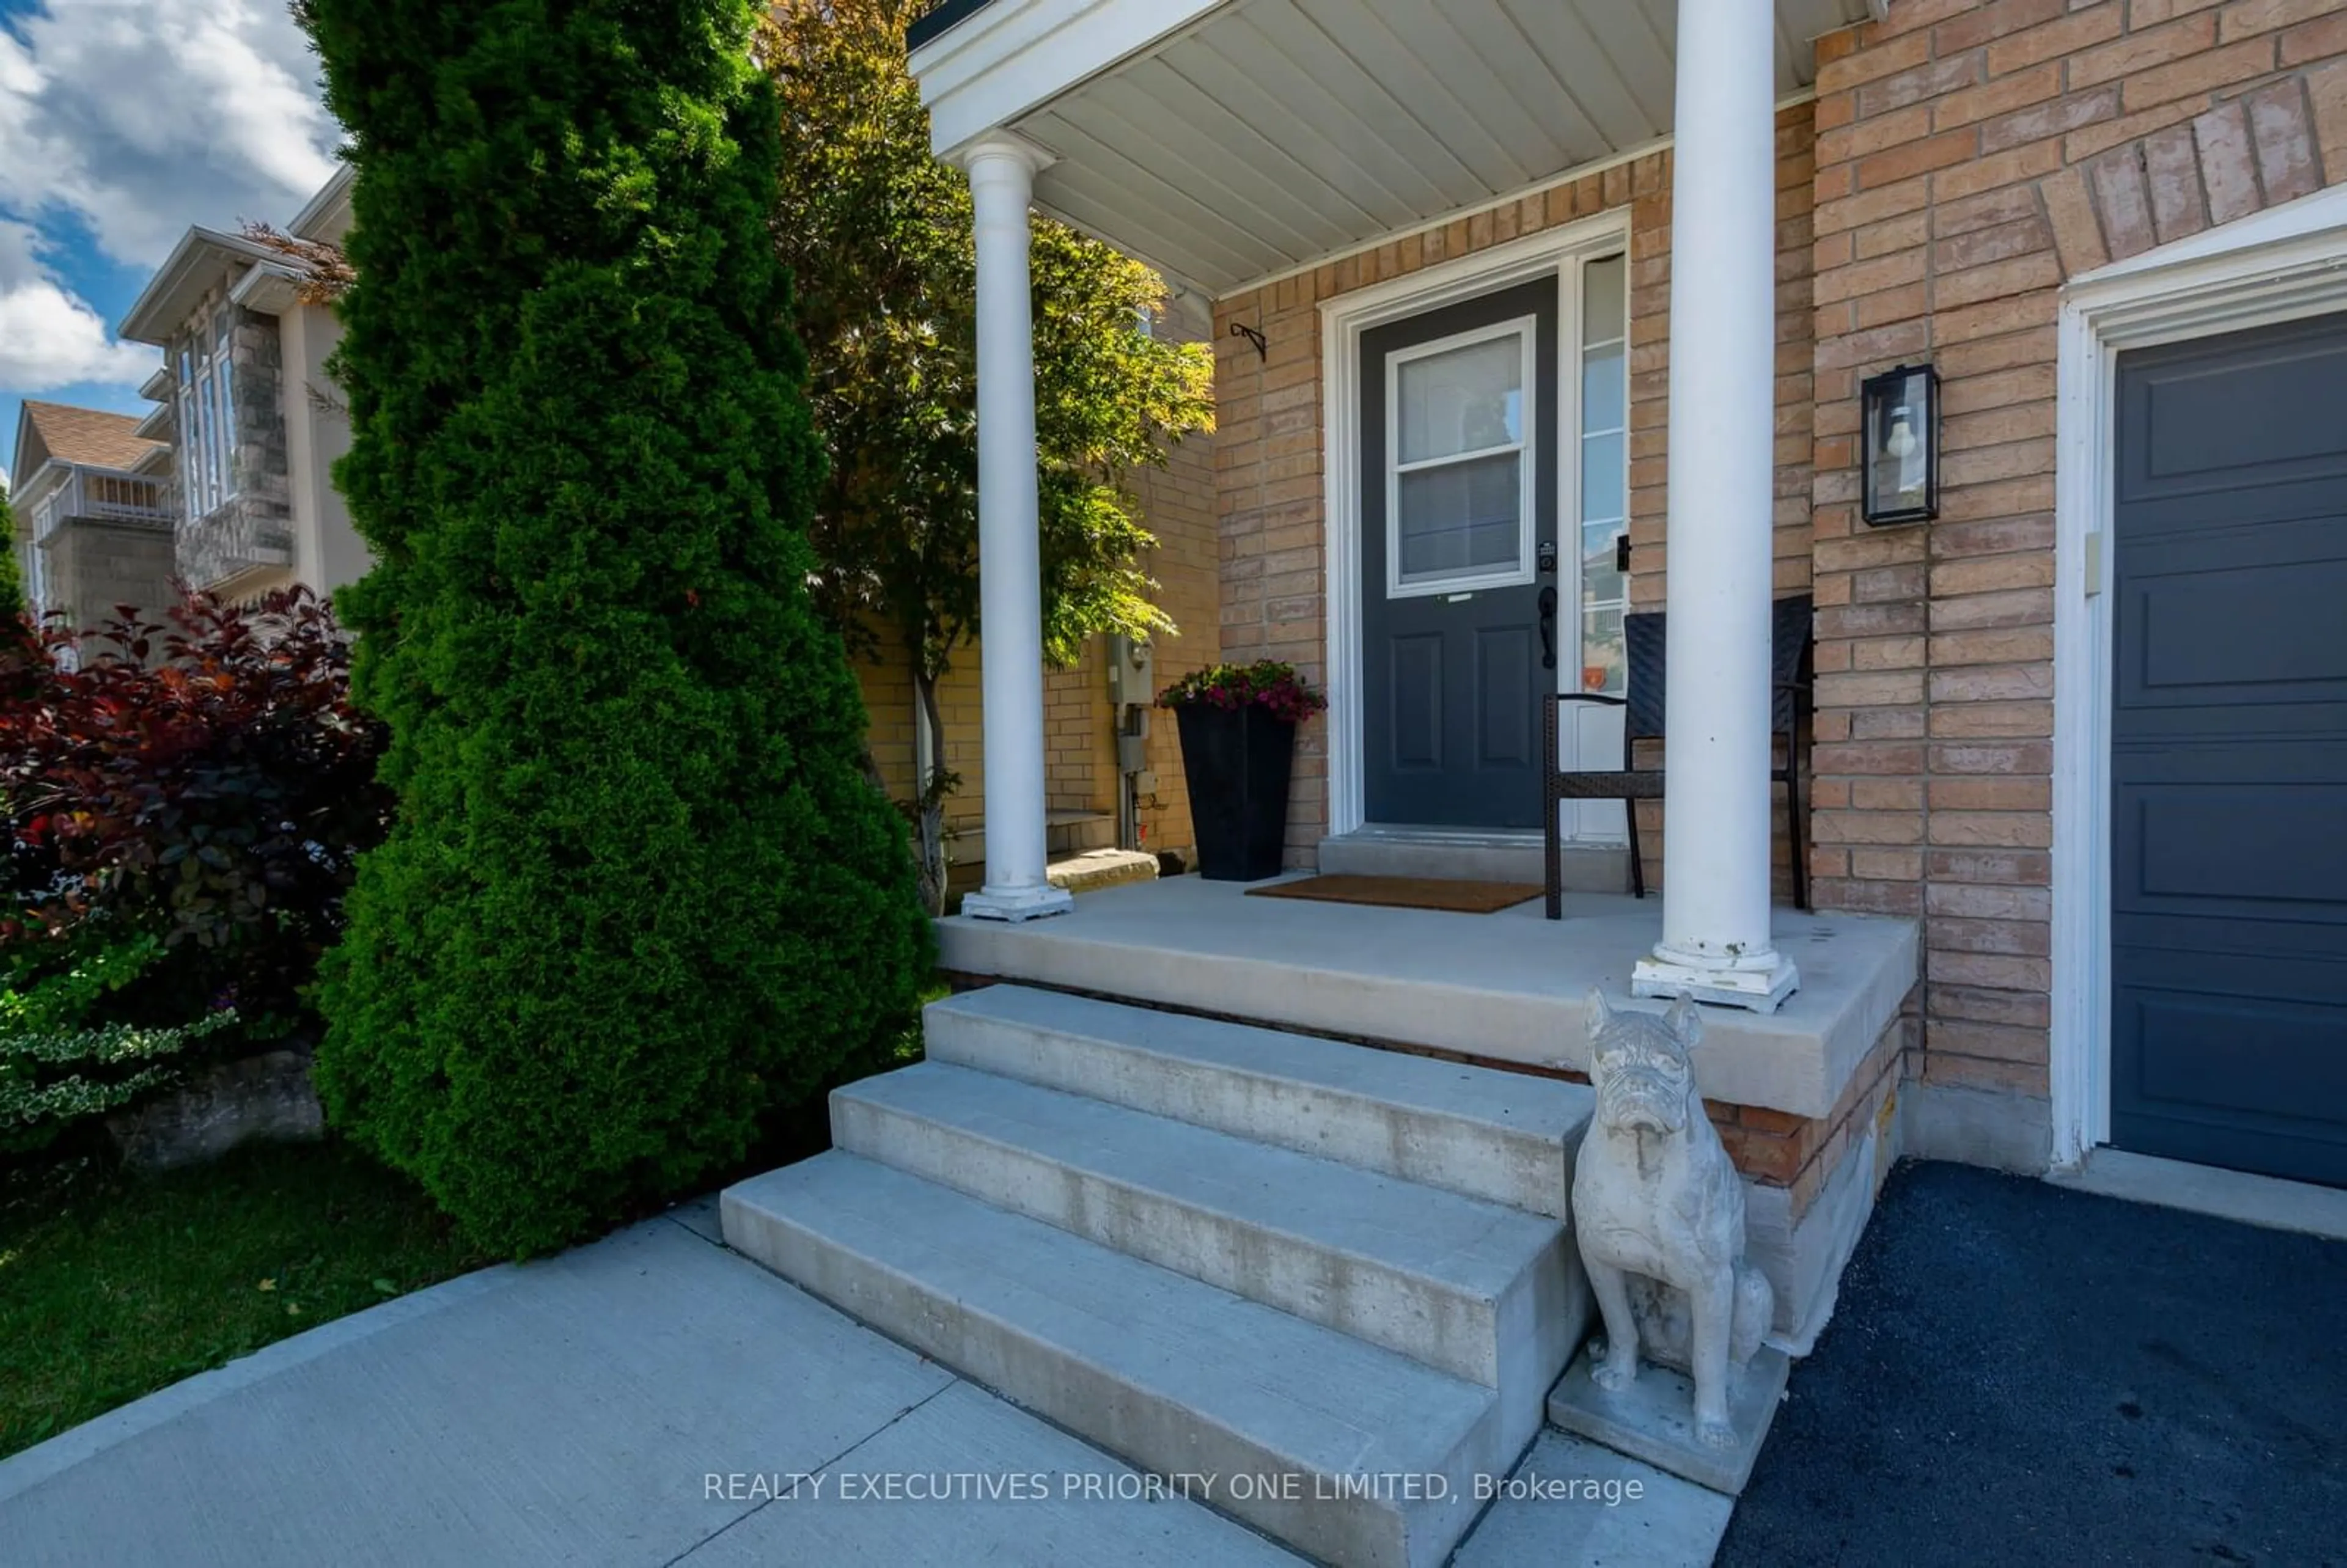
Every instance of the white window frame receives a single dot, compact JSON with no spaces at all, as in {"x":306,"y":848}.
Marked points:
{"x":2280,"y":265}
{"x":195,"y":431}
{"x":206,"y":389}
{"x":222,"y":337}
{"x":35,"y":563}
{"x":1585,"y":437}
{"x":1588,"y":735}
{"x":1552,"y":254}
{"x":1525,"y":329}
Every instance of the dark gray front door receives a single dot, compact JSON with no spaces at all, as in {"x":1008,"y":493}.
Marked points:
{"x":2229,"y":752}
{"x":1458,"y":520}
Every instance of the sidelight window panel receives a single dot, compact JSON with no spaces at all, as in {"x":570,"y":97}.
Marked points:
{"x":1605,"y":472}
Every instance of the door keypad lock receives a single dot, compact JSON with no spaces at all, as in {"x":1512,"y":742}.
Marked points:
{"x":1546,"y":559}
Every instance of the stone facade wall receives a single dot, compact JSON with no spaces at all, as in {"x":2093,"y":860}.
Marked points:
{"x":253,"y":531}
{"x":1269,"y":452}
{"x":93,"y":564}
{"x":1970,"y":158}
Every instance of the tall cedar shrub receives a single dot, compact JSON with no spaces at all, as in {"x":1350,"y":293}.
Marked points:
{"x":638,"y":895}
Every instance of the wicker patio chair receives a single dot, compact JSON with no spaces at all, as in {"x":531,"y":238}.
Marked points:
{"x":1790,"y":677}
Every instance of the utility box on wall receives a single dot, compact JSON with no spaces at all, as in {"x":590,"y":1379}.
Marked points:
{"x":1131,"y":672}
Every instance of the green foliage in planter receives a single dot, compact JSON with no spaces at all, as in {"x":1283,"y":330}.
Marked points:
{"x":1266,"y":684}
{"x":60,"y":1065}
{"x":638,"y":895}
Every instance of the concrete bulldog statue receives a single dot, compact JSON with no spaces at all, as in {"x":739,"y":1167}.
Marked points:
{"x":1659,"y":1211}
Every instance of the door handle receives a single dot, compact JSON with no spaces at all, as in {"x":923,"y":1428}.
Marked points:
{"x":1548,"y":626}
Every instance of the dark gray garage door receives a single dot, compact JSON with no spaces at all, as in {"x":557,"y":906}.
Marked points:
{"x":2228,"y":758}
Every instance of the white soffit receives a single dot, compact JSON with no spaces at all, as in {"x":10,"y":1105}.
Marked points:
{"x":1240,"y":140}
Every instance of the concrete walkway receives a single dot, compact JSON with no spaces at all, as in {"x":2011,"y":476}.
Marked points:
{"x":648,"y":1400}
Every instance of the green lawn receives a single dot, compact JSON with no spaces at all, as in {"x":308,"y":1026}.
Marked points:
{"x":113,"y":1285}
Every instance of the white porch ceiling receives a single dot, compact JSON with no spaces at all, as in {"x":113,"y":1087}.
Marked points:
{"x":1268,"y":134}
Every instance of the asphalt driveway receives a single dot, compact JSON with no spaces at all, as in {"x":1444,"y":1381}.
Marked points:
{"x":2020,"y":1373}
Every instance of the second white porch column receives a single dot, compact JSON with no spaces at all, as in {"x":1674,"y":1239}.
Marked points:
{"x":1717,"y":944}
{"x":1010,"y":561}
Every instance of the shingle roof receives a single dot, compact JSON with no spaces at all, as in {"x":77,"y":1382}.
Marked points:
{"x":88,"y":435}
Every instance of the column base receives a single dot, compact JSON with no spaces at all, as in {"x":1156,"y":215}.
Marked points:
{"x":1759,"y":987}
{"x":1017,"y":903}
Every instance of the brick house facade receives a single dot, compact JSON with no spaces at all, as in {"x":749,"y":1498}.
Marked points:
{"x":1958,"y":162}
{"x":1970,"y":160}
{"x":1532,"y":317}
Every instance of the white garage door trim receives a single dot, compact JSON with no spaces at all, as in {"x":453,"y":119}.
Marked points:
{"x":2280,"y":265}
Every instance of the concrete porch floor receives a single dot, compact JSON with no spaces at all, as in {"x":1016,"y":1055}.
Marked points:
{"x":1508,"y":987}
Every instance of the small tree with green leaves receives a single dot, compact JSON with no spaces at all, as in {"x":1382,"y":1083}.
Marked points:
{"x":877,"y":234}
{"x":636,"y":895}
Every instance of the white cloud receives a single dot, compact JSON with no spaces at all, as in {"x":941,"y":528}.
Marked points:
{"x":142,"y":119}
{"x":49,"y":338}
{"x":135,"y":120}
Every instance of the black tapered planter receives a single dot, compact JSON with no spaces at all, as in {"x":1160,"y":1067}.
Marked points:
{"x":1236,"y":761}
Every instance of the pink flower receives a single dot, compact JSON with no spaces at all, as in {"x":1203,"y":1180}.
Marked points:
{"x":1273,"y":686}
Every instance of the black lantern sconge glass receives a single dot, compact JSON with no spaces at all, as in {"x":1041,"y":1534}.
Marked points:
{"x":1901,"y":413}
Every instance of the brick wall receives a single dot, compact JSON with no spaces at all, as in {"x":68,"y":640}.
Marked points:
{"x":1970,"y":157}
{"x":1178,"y":502}
{"x":1268,"y":453}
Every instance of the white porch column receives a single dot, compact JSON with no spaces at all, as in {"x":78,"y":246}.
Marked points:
{"x":1716,"y":945}
{"x":1010,"y":562}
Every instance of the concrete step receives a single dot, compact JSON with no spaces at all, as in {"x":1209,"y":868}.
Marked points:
{"x":1073,"y":831}
{"x":1349,"y":1452}
{"x":1097,"y":868}
{"x":1068,"y":831}
{"x":1503,"y":1136}
{"x":1457,"y":854}
{"x":1483,"y":1292}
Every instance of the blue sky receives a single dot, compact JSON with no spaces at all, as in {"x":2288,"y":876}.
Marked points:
{"x":121,"y":123}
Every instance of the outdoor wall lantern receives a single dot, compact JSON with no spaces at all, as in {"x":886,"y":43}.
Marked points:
{"x":1902,"y":412}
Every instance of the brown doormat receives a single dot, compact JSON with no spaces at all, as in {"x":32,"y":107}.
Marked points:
{"x":1404,"y":892}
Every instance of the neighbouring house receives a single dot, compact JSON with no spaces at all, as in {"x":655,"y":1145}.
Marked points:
{"x":1113,"y":776}
{"x":93,"y":511}
{"x":244,"y":400}
{"x":1532,"y":319}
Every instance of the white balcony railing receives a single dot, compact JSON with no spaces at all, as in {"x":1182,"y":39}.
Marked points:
{"x":107,"y":493}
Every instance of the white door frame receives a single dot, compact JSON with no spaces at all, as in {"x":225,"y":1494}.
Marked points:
{"x":2282,"y":264}
{"x":1343,"y":320}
